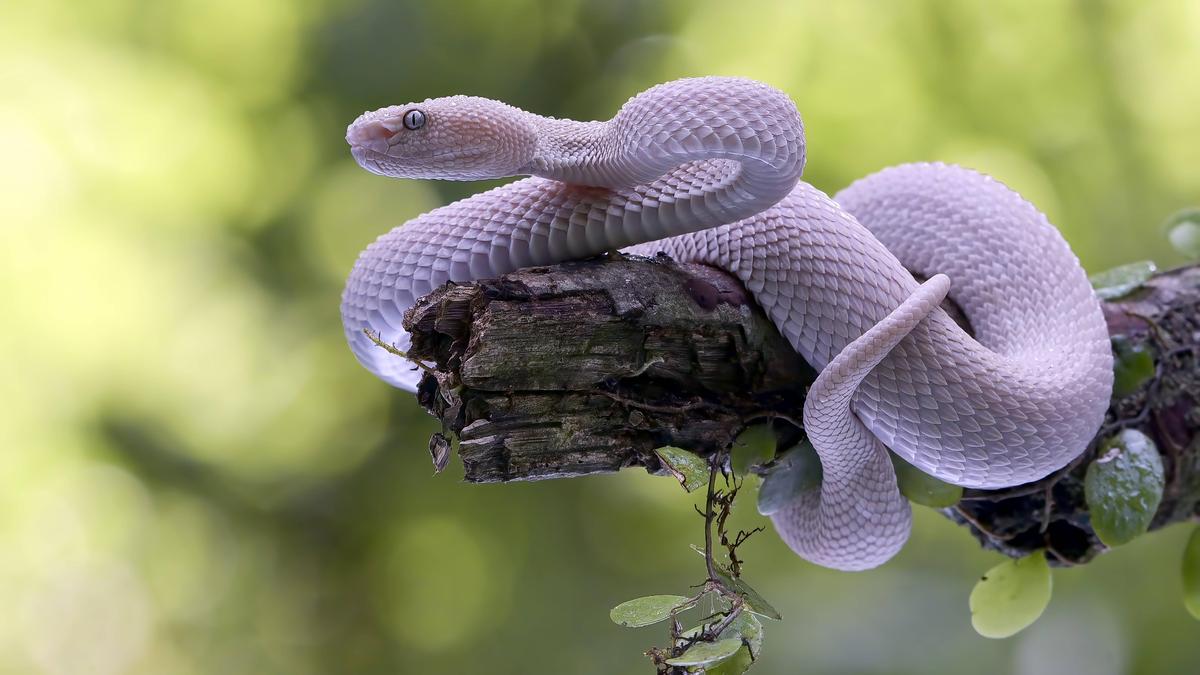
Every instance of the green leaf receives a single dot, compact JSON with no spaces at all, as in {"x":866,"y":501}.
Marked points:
{"x":796,"y":471}
{"x":1133,"y":366}
{"x":1191,"y":574}
{"x":1123,"y":487}
{"x":735,"y":665}
{"x":1010,"y":596}
{"x":923,"y":489}
{"x":1183,"y":231}
{"x":648,"y":610}
{"x":706,"y":654}
{"x":755,"y":445}
{"x":745,"y":627}
{"x":1122,"y":280}
{"x":755,"y":602}
{"x":749,"y":629}
{"x":688,"y":468}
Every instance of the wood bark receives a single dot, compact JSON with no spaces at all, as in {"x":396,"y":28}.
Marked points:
{"x":587,"y":367}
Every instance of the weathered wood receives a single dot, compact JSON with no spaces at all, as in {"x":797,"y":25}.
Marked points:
{"x":588,"y":367}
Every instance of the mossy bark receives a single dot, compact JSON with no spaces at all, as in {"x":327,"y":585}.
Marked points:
{"x":587,"y":367}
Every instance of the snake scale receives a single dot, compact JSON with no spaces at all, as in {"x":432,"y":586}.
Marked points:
{"x":708,"y":170}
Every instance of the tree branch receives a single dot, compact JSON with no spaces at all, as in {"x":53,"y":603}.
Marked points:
{"x":587,"y":367}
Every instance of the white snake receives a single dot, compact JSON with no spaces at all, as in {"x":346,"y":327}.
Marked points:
{"x":708,"y":170}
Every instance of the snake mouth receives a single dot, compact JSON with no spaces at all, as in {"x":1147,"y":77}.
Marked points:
{"x":425,"y":165}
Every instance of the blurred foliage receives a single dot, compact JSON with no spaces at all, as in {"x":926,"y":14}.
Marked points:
{"x":196,"y":477}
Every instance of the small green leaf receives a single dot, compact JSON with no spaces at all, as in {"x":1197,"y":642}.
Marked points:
{"x":1133,"y":366}
{"x":1191,"y":574}
{"x":755,"y":602}
{"x":796,"y":471}
{"x":746,"y":627}
{"x":1010,"y":596}
{"x":1122,"y":280}
{"x":750,"y":630}
{"x":688,"y":468}
{"x":755,"y":445}
{"x":706,"y":654}
{"x":735,"y":665}
{"x":1183,"y":231}
{"x":1123,"y":487}
{"x":648,"y":610}
{"x":923,"y":489}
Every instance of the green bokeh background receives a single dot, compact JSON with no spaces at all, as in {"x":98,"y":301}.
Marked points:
{"x":195,"y":475}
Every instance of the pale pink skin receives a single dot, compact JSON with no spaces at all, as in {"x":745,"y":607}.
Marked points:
{"x":708,"y":170}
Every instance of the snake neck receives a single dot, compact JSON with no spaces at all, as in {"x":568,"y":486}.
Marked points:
{"x":580,"y":153}
{"x":707,"y":151}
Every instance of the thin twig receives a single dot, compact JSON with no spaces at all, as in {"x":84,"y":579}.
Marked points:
{"x":979,"y":526}
{"x":714,"y":465}
{"x":772,"y":415}
{"x":1156,"y":330}
{"x":1048,"y":507}
{"x":393,"y":349}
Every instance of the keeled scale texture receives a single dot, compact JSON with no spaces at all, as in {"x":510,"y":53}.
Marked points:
{"x":708,"y":170}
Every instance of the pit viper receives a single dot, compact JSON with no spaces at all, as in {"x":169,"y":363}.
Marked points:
{"x":708,"y":170}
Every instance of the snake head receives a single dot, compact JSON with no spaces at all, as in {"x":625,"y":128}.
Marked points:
{"x":451,"y":138}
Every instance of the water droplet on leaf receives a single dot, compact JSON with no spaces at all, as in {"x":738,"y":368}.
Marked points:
{"x":1123,"y":487}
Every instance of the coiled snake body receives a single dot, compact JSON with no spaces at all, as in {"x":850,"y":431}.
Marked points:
{"x":708,"y":170}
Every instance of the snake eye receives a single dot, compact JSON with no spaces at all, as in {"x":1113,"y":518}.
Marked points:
{"x":414,"y":119}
